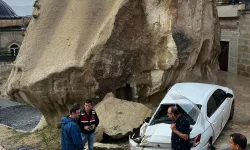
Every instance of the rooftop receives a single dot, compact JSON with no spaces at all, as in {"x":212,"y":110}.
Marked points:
{"x":6,"y":12}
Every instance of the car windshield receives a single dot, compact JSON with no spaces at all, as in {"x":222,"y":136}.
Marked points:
{"x":162,"y":115}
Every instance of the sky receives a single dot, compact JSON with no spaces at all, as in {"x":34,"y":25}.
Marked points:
{"x":21,"y":7}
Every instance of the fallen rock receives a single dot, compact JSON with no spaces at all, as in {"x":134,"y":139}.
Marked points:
{"x":133,"y":48}
{"x":42,"y":123}
{"x":119,"y":117}
{"x":100,"y":146}
{"x":99,"y":134}
{"x":1,"y":148}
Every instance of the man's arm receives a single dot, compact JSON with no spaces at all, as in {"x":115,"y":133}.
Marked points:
{"x":184,"y":133}
{"x":181,"y":135}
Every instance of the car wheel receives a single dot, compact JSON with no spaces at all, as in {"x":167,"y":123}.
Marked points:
{"x":209,"y":146}
{"x":232,"y":112}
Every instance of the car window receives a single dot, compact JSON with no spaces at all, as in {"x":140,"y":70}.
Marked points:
{"x":214,"y":102}
{"x":219,"y":96}
{"x":211,"y":106}
{"x":162,"y":116}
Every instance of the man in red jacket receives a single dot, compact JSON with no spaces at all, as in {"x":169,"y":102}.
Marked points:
{"x":88,"y":122}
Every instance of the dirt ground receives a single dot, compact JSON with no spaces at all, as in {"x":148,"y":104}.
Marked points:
{"x":241,"y":121}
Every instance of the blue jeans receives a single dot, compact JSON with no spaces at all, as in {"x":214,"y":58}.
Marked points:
{"x":90,"y":138}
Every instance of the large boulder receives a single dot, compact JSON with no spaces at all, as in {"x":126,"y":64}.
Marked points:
{"x":119,"y":117}
{"x":101,"y":146}
{"x":77,"y":50}
{"x":99,"y":134}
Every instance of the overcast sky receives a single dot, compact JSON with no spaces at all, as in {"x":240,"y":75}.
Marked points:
{"x":21,"y":7}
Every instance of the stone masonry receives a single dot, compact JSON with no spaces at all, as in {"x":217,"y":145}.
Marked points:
{"x":244,"y":45}
{"x":10,"y":37}
{"x":5,"y":66}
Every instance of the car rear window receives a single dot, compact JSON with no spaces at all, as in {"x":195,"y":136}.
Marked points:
{"x":162,"y":115}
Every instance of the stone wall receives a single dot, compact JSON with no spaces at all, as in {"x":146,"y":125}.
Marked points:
{"x":5,"y":69}
{"x":244,"y":44}
{"x":5,"y":66}
{"x":8,"y":38}
{"x":236,"y":31}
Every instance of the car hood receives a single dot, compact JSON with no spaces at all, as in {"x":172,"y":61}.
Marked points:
{"x":159,"y":133}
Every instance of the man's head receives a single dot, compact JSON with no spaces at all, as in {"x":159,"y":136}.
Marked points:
{"x":75,"y":111}
{"x":88,"y":106}
{"x":238,"y":141}
{"x":173,"y":112}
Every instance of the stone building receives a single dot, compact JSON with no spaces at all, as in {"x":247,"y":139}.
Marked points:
{"x":12,"y":29}
{"x":234,"y":18}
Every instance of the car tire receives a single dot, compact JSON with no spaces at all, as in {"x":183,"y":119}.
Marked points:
{"x":209,"y":147}
{"x":231,"y":112}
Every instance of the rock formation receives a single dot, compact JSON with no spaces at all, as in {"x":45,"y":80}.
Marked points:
{"x":118,"y":117}
{"x":79,"y":50}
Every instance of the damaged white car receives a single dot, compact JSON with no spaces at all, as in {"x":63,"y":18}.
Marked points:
{"x":207,"y":107}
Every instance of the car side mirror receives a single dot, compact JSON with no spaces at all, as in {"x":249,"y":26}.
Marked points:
{"x":229,"y":95}
{"x":147,"y":119}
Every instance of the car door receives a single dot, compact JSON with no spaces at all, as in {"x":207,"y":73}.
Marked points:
{"x":215,"y":115}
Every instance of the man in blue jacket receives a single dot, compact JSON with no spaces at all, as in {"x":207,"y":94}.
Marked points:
{"x":71,"y":134}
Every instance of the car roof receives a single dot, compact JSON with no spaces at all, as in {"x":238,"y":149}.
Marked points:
{"x":195,"y":92}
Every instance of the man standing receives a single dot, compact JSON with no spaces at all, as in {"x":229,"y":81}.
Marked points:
{"x":71,"y":135}
{"x":237,"y":141}
{"x":88,"y":122}
{"x":180,"y":130}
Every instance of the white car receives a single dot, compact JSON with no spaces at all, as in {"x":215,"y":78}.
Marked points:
{"x":207,"y":107}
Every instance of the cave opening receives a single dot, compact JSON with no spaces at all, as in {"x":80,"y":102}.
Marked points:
{"x":125,"y":93}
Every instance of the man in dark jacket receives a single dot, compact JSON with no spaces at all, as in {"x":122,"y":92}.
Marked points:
{"x":71,"y":135}
{"x":88,"y":122}
{"x":180,"y":130}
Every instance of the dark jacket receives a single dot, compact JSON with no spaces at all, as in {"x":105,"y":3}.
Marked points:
{"x":183,"y":126}
{"x":71,"y":136}
{"x":88,"y":120}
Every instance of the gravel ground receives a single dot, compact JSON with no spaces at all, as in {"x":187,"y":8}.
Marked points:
{"x":18,"y":116}
{"x":25,"y":147}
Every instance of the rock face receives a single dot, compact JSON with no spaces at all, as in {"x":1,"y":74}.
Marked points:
{"x":82,"y":49}
{"x":119,"y":117}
